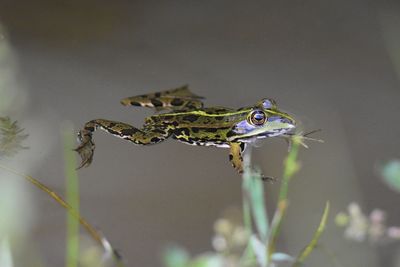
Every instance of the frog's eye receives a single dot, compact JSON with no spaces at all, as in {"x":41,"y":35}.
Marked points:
{"x":268,"y":103}
{"x":257,"y":117}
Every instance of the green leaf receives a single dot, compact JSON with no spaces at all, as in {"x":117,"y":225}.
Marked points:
{"x":258,"y":206}
{"x":391,"y":174}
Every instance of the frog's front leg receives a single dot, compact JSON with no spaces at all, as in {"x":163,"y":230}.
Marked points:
{"x":235,"y":155}
{"x":145,"y":136}
{"x":236,"y":158}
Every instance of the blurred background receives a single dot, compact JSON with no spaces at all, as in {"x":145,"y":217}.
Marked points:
{"x":335,"y":65}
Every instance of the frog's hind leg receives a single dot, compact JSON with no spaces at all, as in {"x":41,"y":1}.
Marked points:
{"x":145,"y":136}
{"x":175,"y":99}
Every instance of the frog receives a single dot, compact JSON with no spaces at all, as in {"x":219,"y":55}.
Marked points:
{"x":181,"y":115}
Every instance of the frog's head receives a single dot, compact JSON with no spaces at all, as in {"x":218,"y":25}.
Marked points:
{"x":263,"y":120}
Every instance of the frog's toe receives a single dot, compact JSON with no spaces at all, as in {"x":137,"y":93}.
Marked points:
{"x":268,"y":179}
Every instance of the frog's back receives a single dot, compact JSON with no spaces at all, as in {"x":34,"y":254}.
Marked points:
{"x":205,"y":126}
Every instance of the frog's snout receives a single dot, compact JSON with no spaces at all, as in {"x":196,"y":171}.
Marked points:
{"x":288,"y":121}
{"x":291,"y":122}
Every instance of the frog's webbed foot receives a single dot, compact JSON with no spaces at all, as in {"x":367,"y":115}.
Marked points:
{"x":86,"y":148}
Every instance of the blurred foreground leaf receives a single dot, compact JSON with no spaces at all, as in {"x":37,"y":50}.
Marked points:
{"x":175,"y":256}
{"x":5,"y":253}
{"x":391,"y":174}
{"x":72,"y":193}
{"x":254,"y":190}
{"x":207,"y":260}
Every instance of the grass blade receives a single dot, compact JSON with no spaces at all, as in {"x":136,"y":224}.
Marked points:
{"x":72,"y":197}
{"x":314,"y":241}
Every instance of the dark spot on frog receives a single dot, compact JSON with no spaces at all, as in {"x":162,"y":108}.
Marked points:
{"x":134,"y":103}
{"x":156,"y":103}
{"x":217,"y":136}
{"x":168,"y":117}
{"x":175,"y":123}
{"x":89,"y":128}
{"x":191,"y":118}
{"x":155,"y":139}
{"x":185,"y":131}
{"x":195,"y":129}
{"x":177,"y":102}
{"x":242,"y":146}
{"x":129,"y":132}
{"x":211,"y":130}
{"x":230,"y":134}
{"x":190,"y":141}
{"x":219,"y":118}
{"x":230,"y":157}
{"x":159,"y":131}
{"x":157,"y":94}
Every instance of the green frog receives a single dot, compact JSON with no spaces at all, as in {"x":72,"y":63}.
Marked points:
{"x":186,"y":120}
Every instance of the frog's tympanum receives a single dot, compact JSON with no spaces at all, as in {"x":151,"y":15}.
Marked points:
{"x":186,"y":120}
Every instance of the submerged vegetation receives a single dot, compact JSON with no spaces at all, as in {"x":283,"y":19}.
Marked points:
{"x":252,"y":242}
{"x":11,"y":137}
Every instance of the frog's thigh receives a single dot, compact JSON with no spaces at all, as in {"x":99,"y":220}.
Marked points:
{"x":125,"y":131}
{"x":235,"y":156}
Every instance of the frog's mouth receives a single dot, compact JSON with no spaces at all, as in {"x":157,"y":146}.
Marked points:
{"x":278,"y":125}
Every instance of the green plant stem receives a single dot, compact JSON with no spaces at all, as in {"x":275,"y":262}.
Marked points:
{"x":314,"y":241}
{"x":72,"y":196}
{"x":246,"y":210}
{"x":290,"y":168}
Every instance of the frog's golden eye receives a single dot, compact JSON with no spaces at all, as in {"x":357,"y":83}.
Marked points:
{"x":257,"y":117}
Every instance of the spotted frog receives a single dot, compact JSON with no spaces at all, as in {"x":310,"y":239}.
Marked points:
{"x":186,"y":120}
